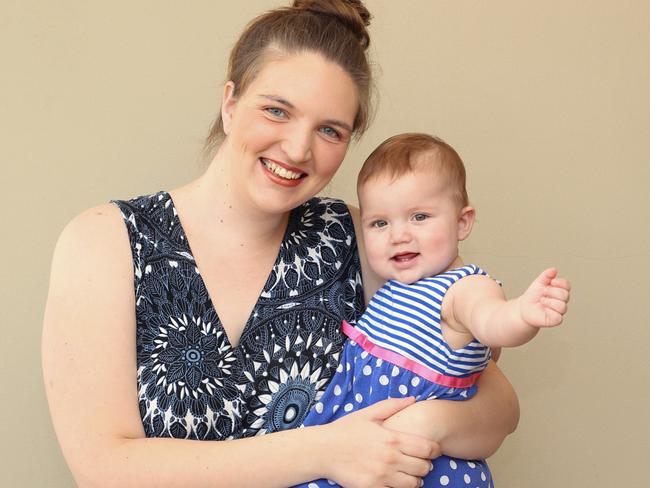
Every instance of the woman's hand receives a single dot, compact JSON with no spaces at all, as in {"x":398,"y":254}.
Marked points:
{"x":471,"y":429}
{"x":367,"y":454}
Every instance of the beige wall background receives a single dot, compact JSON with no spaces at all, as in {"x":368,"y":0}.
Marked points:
{"x":548,"y":103}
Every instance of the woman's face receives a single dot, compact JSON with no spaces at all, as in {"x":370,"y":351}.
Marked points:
{"x":288,"y":133}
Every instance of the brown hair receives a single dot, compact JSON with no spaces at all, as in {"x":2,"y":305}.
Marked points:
{"x":404,"y":153}
{"x":336,"y":29}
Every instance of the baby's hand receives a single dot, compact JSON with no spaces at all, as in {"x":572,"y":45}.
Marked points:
{"x":544,"y":303}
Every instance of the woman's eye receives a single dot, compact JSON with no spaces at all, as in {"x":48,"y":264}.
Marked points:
{"x":331,"y":133}
{"x":276,"y":112}
{"x":419,"y":217}
{"x":378,"y":224}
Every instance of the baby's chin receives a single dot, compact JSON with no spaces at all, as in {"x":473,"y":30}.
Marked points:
{"x":407,"y":278}
{"x":402,"y":278}
{"x":407,"y":281}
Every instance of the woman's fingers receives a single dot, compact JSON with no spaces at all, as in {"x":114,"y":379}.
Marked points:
{"x":386,"y":408}
{"x":418,"y":447}
{"x":368,"y":454}
{"x":403,"y":480}
{"x":415,"y":460}
{"x":414,"y":466}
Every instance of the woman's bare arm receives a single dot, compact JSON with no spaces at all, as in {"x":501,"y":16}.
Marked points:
{"x":471,"y":429}
{"x":89,"y":365}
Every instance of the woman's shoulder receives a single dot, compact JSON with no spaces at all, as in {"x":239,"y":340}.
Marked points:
{"x":106,"y":220}
{"x":93,"y":235}
{"x":98,"y":223}
{"x":96,"y":239}
{"x":144,"y":204}
{"x":91,"y":268}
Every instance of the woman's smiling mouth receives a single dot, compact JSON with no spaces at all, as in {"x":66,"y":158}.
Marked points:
{"x":281,"y":171}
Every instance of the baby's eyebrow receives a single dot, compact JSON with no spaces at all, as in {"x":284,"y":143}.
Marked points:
{"x":366,"y":218}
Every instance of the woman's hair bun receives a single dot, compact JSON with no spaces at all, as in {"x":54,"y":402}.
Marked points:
{"x":351,"y":13}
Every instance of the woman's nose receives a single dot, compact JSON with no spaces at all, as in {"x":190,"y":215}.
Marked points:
{"x":297,"y":144}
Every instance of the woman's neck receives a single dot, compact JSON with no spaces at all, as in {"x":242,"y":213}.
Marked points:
{"x":216,"y":200}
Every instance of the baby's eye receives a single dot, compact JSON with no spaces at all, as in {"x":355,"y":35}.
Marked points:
{"x":378,"y":224}
{"x":420,"y":217}
{"x":276,"y":112}
{"x":330,"y":132}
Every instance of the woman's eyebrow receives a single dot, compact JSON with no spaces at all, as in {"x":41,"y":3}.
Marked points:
{"x":278,"y":99}
{"x":338,"y":123}
{"x":288,"y":104}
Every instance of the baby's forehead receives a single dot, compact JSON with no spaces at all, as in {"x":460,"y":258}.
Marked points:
{"x":406,"y":190}
{"x":419,"y":173}
{"x":431,"y":162}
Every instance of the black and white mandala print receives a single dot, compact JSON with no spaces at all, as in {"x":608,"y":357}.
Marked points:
{"x":187,"y":389}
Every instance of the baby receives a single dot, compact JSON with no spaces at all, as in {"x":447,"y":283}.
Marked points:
{"x":428,"y":331}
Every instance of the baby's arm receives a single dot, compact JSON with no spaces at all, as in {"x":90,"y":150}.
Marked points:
{"x":476,"y":304}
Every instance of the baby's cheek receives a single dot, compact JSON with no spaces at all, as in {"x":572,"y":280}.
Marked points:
{"x":376,"y":254}
{"x":435,"y":241}
{"x":374,"y":259}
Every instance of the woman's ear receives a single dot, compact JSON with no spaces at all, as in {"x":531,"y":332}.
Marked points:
{"x":228,"y":106}
{"x":466,"y":222}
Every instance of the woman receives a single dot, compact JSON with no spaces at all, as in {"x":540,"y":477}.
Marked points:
{"x":177,"y":276}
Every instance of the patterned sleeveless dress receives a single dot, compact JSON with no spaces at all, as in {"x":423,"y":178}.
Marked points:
{"x":397,"y":349}
{"x":192,"y":383}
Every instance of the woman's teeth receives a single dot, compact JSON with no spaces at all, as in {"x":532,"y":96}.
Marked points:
{"x":280,"y":171}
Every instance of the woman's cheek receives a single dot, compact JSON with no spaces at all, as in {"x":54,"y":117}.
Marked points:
{"x":334,"y":158}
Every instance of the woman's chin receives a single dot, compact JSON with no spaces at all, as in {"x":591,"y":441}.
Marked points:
{"x":277,"y":200}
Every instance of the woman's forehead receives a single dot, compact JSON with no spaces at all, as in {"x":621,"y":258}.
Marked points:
{"x":308,"y":80}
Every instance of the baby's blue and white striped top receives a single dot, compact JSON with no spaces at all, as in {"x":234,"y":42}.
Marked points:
{"x":406,"y":319}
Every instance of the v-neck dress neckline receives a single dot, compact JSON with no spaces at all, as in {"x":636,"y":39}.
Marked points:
{"x":191,"y":382}
{"x":188,"y":249}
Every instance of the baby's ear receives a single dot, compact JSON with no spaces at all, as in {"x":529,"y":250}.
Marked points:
{"x":466,"y":222}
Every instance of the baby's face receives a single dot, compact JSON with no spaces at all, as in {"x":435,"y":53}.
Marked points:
{"x":411,"y":226}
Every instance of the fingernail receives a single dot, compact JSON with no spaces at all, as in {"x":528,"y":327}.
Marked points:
{"x":421,"y":482}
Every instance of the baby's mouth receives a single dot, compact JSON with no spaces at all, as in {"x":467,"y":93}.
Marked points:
{"x":405,"y":257}
{"x":281,"y":171}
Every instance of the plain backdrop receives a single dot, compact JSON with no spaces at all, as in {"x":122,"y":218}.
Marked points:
{"x":547,"y":102}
